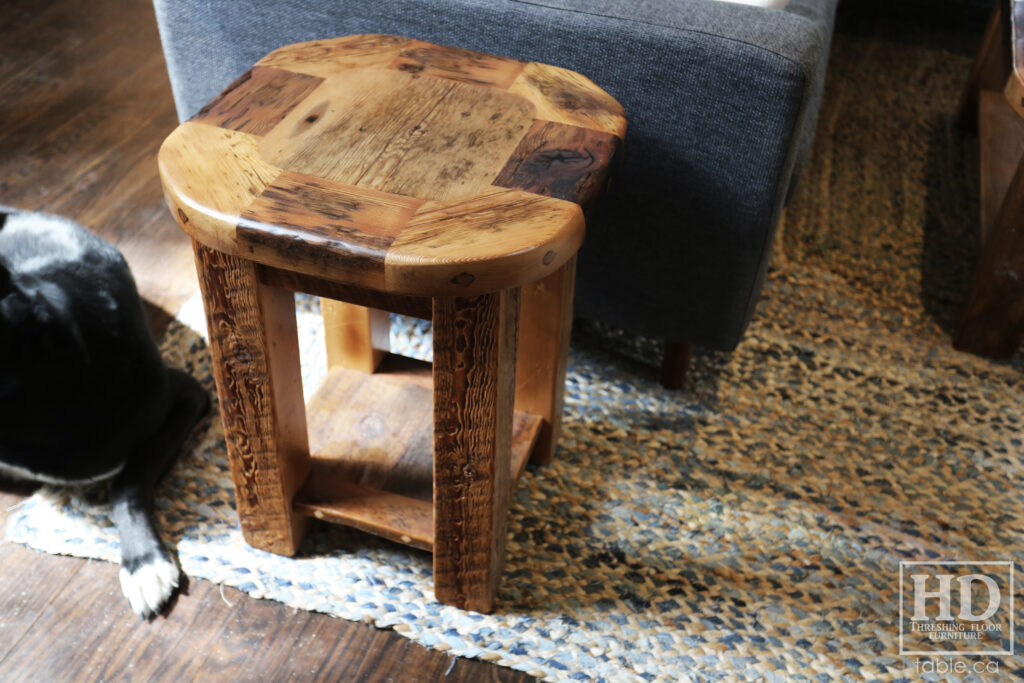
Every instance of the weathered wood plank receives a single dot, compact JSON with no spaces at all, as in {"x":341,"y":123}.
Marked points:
{"x":325,"y":58}
{"x":371,"y":439}
{"x":567,"y":97}
{"x":210,"y":177}
{"x":423,"y":138}
{"x":33,"y":582}
{"x":340,"y":232}
{"x":457,"y":64}
{"x":474,"y":349}
{"x":257,"y":100}
{"x":254,"y":638}
{"x":256,"y":365}
{"x":494,"y":239}
{"x":565,"y":162}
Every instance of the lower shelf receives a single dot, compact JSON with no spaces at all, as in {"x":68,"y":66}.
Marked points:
{"x":371,"y":440}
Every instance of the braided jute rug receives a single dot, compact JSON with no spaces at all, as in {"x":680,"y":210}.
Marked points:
{"x":752,"y":526}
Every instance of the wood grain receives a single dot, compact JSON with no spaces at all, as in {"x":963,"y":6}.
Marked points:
{"x":331,"y":228}
{"x":257,"y":100}
{"x":256,"y":366}
{"x":334,"y":498}
{"x":567,"y":97}
{"x":210,"y":176}
{"x":565,"y":162}
{"x":326,"y":58}
{"x":545,"y":326}
{"x":22,"y":609}
{"x":376,"y":430}
{"x":419,"y":58}
{"x":500,"y":237}
{"x":426,"y":138}
{"x":474,"y":347}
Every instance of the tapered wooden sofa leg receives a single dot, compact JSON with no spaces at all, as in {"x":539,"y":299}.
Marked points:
{"x":545,"y":326}
{"x":474,"y":353}
{"x":254,"y":345}
{"x":675,"y":363}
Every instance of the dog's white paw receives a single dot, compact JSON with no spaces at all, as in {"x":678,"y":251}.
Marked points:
{"x":150,"y":585}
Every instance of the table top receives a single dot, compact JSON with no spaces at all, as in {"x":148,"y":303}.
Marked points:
{"x":395,"y":164}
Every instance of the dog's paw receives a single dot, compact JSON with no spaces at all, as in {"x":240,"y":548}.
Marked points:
{"x":149,"y":584}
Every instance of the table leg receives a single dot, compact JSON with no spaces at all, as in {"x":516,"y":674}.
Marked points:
{"x":356,"y":336}
{"x":990,"y":69}
{"x":255,"y":352}
{"x":544,"y":330}
{"x":992,"y":321}
{"x":474,"y":380}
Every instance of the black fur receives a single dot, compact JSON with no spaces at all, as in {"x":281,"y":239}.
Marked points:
{"x":84,"y":393}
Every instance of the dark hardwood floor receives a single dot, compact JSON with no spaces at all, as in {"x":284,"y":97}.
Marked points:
{"x":84,"y":105}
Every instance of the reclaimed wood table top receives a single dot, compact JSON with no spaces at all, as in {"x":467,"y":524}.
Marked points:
{"x":394,"y":164}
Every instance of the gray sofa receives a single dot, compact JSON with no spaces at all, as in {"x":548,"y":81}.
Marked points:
{"x":721,"y":98}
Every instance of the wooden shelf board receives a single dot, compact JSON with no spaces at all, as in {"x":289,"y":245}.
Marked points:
{"x":371,"y":440}
{"x":1001,"y":142}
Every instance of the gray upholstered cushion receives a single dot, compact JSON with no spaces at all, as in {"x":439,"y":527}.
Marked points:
{"x":721,"y":100}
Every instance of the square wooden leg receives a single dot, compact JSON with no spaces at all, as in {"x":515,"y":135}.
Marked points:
{"x":356,"y":336}
{"x":256,"y":366}
{"x":992,"y":321}
{"x":474,"y":381}
{"x":990,"y":69}
{"x":545,"y":326}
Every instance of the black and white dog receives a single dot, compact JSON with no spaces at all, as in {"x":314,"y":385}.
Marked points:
{"x":84,"y":394}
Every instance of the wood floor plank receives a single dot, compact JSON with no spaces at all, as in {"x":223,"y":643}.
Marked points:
{"x":259,"y":639}
{"x":167,"y":648}
{"x":61,"y":84}
{"x":62,"y":145}
{"x":31,"y":582}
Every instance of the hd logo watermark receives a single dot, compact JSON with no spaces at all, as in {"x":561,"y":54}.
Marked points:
{"x":956,"y":608}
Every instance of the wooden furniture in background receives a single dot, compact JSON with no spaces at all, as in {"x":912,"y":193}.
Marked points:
{"x":391,"y":174}
{"x":992,"y":321}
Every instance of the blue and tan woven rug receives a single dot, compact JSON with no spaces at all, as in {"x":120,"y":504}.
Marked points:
{"x":752,"y":526}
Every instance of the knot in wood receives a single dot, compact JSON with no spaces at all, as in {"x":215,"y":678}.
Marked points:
{"x":463,"y":279}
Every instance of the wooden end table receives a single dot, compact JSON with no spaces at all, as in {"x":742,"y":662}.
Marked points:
{"x":389,"y":174}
